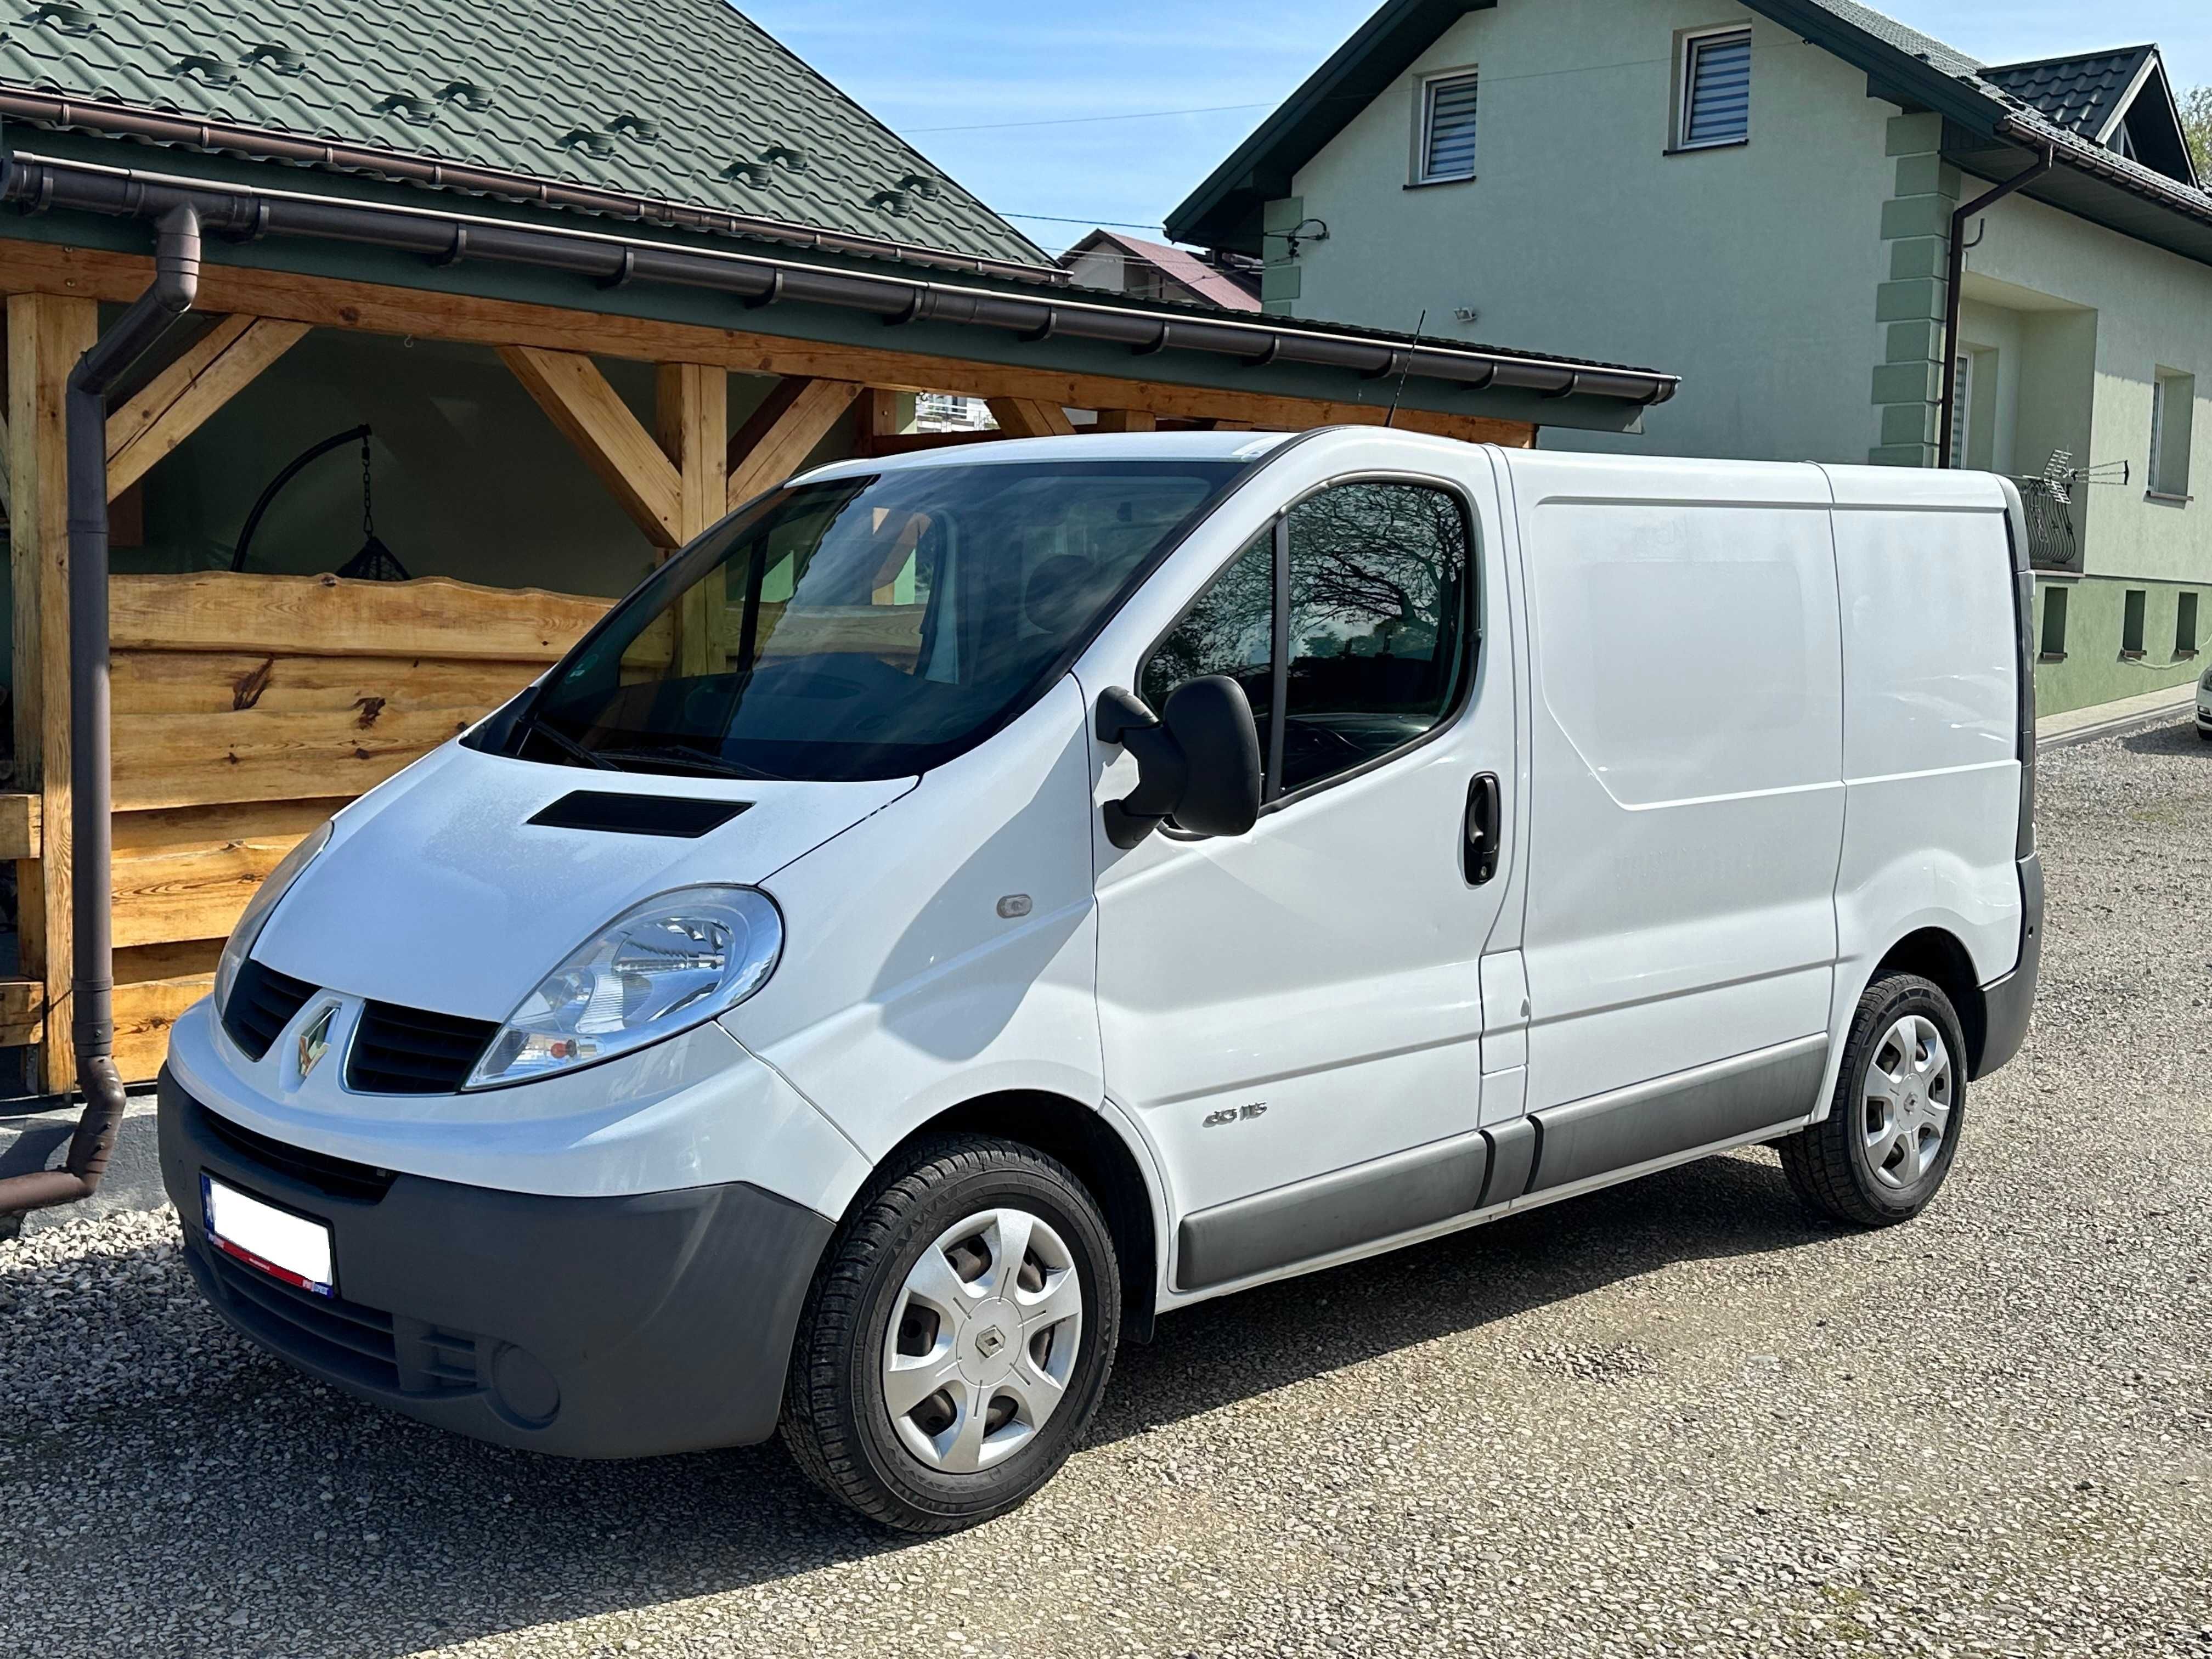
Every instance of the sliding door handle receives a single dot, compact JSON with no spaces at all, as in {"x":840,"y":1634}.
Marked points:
{"x":1483,"y":834}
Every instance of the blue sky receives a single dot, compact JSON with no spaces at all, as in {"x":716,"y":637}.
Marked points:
{"x":983,"y":66}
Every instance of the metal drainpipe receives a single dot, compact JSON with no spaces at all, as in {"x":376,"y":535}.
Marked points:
{"x":1951,"y":295}
{"x":176,"y":284}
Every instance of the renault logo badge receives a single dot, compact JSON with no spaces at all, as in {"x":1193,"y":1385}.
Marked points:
{"x":315,"y":1040}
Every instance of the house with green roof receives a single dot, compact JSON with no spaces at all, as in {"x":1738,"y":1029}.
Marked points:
{"x":1858,"y":243}
{"x":487,"y":309}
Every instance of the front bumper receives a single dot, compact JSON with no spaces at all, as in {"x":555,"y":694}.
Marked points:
{"x":588,"y":1327}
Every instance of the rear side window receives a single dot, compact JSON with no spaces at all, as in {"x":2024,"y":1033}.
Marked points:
{"x":1369,"y":608}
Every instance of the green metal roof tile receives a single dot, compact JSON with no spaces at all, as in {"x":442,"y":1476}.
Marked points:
{"x":661,"y":102}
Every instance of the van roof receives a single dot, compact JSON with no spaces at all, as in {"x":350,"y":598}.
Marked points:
{"x":1096,"y":446}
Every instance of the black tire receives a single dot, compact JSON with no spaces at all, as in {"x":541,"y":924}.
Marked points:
{"x":837,"y":1419}
{"x":1829,"y":1164}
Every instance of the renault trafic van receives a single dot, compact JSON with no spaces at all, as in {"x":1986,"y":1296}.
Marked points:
{"x":967,"y":905}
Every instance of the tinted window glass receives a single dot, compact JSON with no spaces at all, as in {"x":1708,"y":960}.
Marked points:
{"x":864,"y":627}
{"x":1231,"y":631}
{"x":1378,"y":624}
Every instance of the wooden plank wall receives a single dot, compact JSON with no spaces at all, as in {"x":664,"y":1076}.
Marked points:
{"x":248,"y":709}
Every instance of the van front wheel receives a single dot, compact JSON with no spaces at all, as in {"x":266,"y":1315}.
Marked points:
{"x":956,"y":1338}
{"x":1900,"y":1103}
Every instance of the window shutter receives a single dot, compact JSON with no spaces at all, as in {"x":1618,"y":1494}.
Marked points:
{"x":1447,"y":145}
{"x":1717,"y":89}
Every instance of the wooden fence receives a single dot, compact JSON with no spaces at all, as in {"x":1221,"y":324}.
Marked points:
{"x":248,"y":709}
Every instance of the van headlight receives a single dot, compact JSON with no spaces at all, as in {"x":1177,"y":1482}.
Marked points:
{"x":668,"y":964}
{"x":239,"y":945}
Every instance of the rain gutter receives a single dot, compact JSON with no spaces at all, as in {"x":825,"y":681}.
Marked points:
{"x":243,"y":212}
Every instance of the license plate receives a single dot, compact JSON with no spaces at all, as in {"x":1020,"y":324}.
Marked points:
{"x":281,"y":1244}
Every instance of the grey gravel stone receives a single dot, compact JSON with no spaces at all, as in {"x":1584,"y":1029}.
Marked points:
{"x":1673,"y":1418}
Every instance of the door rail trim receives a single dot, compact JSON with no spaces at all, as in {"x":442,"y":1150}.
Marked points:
{"x":1725,"y":1098}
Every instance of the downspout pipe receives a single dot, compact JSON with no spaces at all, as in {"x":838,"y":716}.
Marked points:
{"x":1952,"y":298}
{"x":138,"y":331}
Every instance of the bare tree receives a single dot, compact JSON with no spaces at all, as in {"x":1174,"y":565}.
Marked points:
{"x":2197,"y":124}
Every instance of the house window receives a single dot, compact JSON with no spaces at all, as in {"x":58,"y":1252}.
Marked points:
{"x":2131,"y":623}
{"x":2172,"y":410}
{"x":1447,"y":136}
{"x":2185,"y":626}
{"x":1962,"y":405}
{"x":2053,"y":644}
{"x":1715,"y":89}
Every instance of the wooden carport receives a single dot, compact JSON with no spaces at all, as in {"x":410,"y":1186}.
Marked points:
{"x":247,"y":708}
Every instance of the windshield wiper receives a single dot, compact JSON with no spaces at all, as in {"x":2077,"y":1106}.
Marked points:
{"x":683,"y":754}
{"x":563,"y":742}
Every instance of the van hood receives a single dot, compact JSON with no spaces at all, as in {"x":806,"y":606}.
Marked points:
{"x":437,"y":891}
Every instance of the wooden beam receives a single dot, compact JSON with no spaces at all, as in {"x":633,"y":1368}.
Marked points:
{"x":778,"y":437}
{"x":885,"y":414}
{"x":47,"y":335}
{"x":20,"y":823}
{"x":382,"y":308}
{"x":691,"y":419}
{"x":177,"y":401}
{"x":330,"y":616}
{"x":1128,"y":420}
{"x":576,"y":397}
{"x":1030,"y":417}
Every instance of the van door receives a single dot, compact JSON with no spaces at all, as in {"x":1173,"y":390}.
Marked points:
{"x":1305,"y":999}
{"x":1687,"y":802}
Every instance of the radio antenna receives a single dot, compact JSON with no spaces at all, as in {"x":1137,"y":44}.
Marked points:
{"x":1407,"y":368}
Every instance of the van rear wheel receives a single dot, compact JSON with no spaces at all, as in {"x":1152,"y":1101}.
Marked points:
{"x":956,"y":1338}
{"x":1899,"y":1106}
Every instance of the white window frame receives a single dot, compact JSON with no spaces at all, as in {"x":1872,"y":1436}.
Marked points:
{"x":1962,"y":406}
{"x":2164,"y":384}
{"x":1685,"y":83}
{"x":1425,"y":110}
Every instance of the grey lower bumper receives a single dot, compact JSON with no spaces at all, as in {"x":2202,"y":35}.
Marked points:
{"x":588,"y":1327}
{"x":2008,"y":1003}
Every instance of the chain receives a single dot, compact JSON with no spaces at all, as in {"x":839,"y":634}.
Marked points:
{"x":368,"y":518}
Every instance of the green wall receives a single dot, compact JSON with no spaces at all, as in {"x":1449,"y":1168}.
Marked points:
{"x":1750,"y":270}
{"x":2092,"y":670}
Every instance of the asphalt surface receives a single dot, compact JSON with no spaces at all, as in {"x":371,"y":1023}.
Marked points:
{"x":1676,"y":1418}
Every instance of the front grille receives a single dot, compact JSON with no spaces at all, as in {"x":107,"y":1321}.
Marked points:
{"x":334,"y":1177}
{"x":412,"y":1051}
{"x":261,"y":1004}
{"x":376,"y":1349}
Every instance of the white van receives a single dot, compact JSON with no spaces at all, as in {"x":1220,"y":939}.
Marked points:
{"x":969,"y":904}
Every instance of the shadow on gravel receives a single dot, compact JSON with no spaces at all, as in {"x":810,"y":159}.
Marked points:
{"x":243,"y":1509}
{"x":2177,"y":738}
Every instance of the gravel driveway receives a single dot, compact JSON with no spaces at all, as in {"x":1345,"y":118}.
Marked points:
{"x":1675,"y":1417}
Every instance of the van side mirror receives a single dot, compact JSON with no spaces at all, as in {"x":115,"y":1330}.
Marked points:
{"x":1197,"y":763}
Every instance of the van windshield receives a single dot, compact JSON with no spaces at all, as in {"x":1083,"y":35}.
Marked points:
{"x":869,"y":627}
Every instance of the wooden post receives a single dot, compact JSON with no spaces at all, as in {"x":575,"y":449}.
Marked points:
{"x":47,"y":335}
{"x":691,"y":419}
{"x":1128,"y":420}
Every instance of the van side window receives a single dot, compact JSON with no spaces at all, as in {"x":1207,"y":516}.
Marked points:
{"x":1378,"y":624}
{"x":1231,"y":631}
{"x":1379,"y":629}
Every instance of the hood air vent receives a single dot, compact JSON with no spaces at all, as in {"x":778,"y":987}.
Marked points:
{"x":674,"y":815}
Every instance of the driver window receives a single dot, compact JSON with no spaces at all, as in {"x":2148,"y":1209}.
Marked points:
{"x":1378,"y":629}
{"x":1231,"y":631}
{"x":1378,"y":624}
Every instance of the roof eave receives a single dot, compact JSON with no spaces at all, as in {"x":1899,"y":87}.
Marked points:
{"x":58,"y":112}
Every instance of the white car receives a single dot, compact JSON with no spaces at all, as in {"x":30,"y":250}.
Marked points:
{"x":971,"y":903}
{"x":2204,"y":706}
